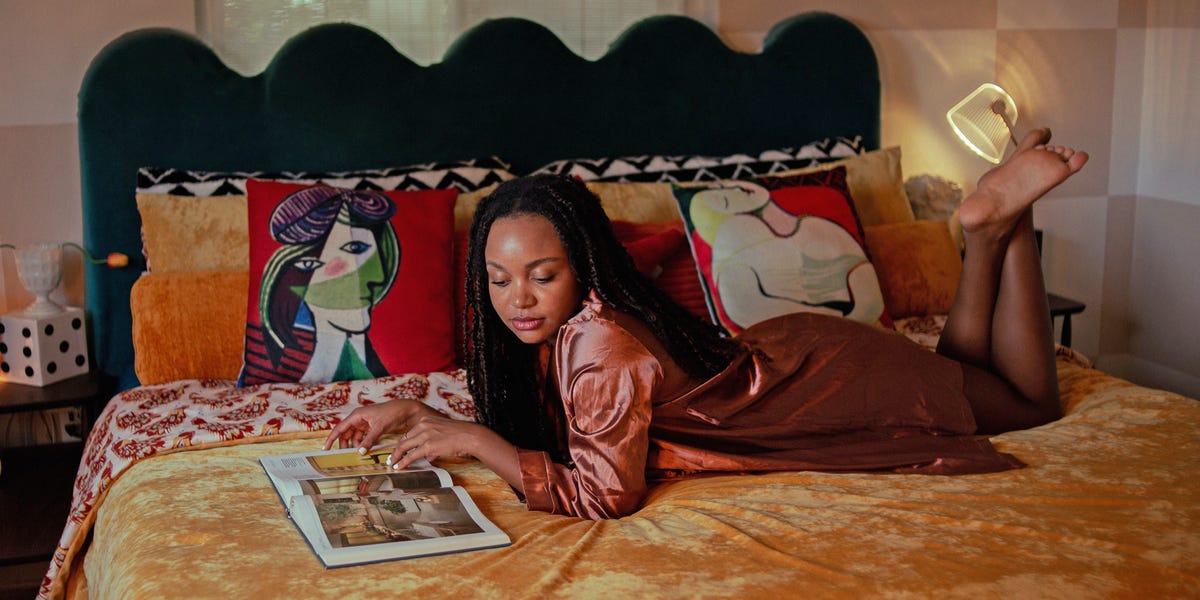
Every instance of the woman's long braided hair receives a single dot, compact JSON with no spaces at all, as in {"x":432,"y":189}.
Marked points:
{"x":501,"y":370}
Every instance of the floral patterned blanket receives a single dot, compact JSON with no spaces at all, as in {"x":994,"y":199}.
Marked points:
{"x":191,"y":414}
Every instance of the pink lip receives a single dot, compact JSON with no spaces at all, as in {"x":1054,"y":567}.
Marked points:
{"x":526,"y":324}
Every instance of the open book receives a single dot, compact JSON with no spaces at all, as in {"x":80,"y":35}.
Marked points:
{"x":354,"y":509}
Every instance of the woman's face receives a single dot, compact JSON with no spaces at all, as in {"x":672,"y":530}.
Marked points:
{"x":530,"y":282}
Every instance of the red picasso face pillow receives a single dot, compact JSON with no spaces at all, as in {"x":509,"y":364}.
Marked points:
{"x":347,"y":284}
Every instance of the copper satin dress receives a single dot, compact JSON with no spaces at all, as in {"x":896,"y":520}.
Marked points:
{"x":813,"y":392}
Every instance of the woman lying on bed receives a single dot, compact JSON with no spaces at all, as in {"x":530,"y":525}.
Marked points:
{"x":589,"y":382}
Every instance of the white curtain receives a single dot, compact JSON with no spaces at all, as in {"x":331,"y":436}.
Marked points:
{"x":246,"y":33}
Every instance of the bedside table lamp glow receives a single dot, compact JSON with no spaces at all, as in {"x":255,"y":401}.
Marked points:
{"x":984,"y":121}
{"x":44,"y":342}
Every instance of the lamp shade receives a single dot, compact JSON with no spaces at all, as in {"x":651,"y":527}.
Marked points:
{"x":983,"y":121}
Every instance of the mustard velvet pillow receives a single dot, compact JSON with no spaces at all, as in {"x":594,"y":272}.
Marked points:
{"x":876,"y":184}
{"x":188,"y":325}
{"x":189,"y":233}
{"x":918,"y":265}
{"x":635,"y":202}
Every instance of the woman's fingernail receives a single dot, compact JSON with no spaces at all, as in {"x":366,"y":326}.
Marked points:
{"x":388,"y":462}
{"x":362,"y":450}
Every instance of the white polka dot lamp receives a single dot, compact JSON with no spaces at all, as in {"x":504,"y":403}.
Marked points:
{"x":40,"y":350}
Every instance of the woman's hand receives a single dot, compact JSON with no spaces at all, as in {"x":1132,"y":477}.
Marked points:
{"x":366,"y":423}
{"x":430,"y":437}
{"x":433,"y":436}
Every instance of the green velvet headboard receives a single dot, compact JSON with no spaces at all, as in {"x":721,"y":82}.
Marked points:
{"x":340,"y":97}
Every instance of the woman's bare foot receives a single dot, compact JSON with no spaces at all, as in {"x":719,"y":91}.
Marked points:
{"x":1007,"y":191}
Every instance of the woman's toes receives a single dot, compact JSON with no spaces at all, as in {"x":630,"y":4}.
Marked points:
{"x":1035,"y":137}
{"x":1077,"y":160}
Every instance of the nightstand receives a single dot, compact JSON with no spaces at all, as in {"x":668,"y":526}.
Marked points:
{"x":80,"y":392}
{"x":36,"y":482}
{"x":1064,"y":307}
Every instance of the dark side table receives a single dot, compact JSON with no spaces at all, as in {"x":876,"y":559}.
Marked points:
{"x":36,"y":481}
{"x":1064,"y":307}
{"x":80,"y":392}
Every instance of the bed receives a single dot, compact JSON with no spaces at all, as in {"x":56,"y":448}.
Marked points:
{"x":170,"y":498}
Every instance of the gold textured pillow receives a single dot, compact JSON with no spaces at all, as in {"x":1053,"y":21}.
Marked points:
{"x":187,"y":233}
{"x":635,"y":202}
{"x":188,"y":325}
{"x":464,"y":207}
{"x":918,"y":266}
{"x":876,"y":184}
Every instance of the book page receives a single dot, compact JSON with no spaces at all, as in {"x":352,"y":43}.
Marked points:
{"x":295,"y":474}
{"x":387,"y":524}
{"x":352,"y":508}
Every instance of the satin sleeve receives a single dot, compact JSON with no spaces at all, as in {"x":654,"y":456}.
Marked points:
{"x":606,"y":379}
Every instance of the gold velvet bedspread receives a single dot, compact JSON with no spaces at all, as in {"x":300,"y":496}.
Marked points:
{"x":1109,"y":506}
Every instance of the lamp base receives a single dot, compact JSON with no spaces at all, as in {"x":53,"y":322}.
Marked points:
{"x":42,"y":306}
{"x":39,"y":350}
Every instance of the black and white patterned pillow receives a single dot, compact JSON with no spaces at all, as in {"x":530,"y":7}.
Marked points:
{"x":688,"y":168}
{"x":465,"y":176}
